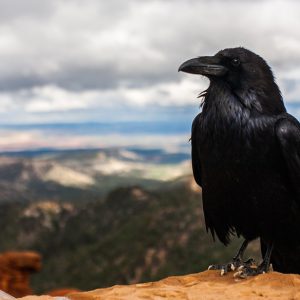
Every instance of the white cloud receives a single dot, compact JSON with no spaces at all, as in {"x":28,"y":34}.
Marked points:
{"x":7,"y":103}
{"x":70,"y":55}
{"x":50,"y":98}
{"x":179,"y":93}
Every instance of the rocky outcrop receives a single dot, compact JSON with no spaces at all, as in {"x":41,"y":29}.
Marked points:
{"x":15,"y":269}
{"x":206,"y":285}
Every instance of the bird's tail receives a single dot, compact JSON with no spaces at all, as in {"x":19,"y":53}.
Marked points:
{"x":285,"y":257}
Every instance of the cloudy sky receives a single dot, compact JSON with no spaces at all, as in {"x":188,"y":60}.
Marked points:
{"x":106,"y":61}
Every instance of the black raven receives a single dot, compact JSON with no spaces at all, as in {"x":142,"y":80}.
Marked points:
{"x":246,"y":158}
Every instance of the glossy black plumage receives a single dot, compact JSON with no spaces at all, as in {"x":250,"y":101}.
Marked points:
{"x":246,"y":155}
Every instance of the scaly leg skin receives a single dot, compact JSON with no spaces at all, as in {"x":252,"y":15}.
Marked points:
{"x":264,"y":267}
{"x":236,"y":263}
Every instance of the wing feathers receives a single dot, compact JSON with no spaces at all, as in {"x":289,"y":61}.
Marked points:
{"x":288,"y":134}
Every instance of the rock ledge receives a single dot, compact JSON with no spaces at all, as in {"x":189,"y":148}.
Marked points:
{"x":206,"y":285}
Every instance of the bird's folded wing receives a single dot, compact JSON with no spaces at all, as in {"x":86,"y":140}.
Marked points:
{"x":195,"y":154}
{"x":288,"y":134}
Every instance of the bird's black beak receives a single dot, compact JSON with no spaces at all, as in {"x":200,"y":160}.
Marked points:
{"x":205,"y":65}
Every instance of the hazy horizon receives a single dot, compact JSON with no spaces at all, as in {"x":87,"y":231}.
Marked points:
{"x":168,"y":131}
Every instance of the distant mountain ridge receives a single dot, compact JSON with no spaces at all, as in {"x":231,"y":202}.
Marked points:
{"x":156,"y":155}
{"x":71,"y":175}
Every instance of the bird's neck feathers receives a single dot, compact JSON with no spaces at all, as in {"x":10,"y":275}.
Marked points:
{"x":219,"y":103}
{"x":264,"y":98}
{"x":258,"y":100}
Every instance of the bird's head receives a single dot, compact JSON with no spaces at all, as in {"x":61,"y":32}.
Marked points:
{"x":246,"y":74}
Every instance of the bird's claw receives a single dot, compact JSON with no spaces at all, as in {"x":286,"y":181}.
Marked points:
{"x":236,"y":264}
{"x":223,"y":268}
{"x":246,"y":271}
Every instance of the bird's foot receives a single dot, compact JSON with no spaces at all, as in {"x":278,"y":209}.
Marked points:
{"x":244,"y":272}
{"x":235,"y":264}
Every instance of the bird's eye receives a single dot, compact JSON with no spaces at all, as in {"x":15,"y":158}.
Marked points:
{"x":235,"y":62}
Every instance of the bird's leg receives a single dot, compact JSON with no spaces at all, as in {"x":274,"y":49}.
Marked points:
{"x":262,"y":268}
{"x":236,"y":263}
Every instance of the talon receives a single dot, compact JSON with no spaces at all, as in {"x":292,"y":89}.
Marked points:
{"x":240,"y":274}
{"x":235,"y":265}
{"x":237,"y":274}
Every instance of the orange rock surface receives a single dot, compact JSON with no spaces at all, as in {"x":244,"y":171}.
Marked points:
{"x":62,"y":292}
{"x":15,"y":269}
{"x":202,"y":286}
